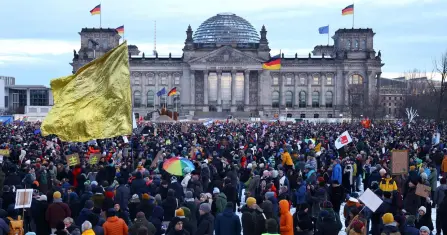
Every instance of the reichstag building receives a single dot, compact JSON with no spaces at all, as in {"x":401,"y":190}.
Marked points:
{"x":220,"y":73}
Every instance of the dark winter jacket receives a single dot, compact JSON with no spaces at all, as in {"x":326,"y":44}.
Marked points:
{"x":206,"y":225}
{"x":302,"y":220}
{"x":38,"y":209}
{"x":412,"y":202}
{"x":411,"y":230}
{"x":122,"y":196}
{"x":253,"y":222}
{"x":328,"y":225}
{"x":169,"y":206}
{"x":83,"y":216}
{"x":138,"y":184}
{"x":140,"y":222}
{"x":227,"y":223}
{"x":157,"y":219}
{"x":57,"y":211}
{"x":147,"y":207}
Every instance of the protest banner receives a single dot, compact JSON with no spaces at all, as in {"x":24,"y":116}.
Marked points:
{"x":184,"y":129}
{"x":423,"y":190}
{"x":24,"y":197}
{"x":4,"y":152}
{"x":399,"y":162}
{"x":94,"y":158}
{"x":72,"y":159}
{"x":371,"y":200}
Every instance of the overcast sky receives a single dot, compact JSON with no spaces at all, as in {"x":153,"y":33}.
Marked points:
{"x":38,"y":37}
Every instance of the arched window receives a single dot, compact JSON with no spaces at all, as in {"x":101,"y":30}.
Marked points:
{"x":316,"y":99}
{"x":302,"y":102}
{"x":137,"y":99}
{"x":356,"y":44}
{"x":329,"y":99}
{"x":275,"y":99}
{"x":363,"y":45}
{"x":150,"y":99}
{"x":289,"y":99}
{"x":348,"y":45}
{"x":355,"y":79}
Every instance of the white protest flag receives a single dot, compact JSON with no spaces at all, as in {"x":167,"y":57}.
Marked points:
{"x":134,"y":121}
{"x":343,"y":140}
{"x":371,"y":200}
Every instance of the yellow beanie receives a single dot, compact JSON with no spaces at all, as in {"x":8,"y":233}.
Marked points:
{"x":57,"y":195}
{"x":388,"y":218}
{"x":250,"y":201}
{"x":179,"y":213}
{"x":145,"y":196}
{"x":412,"y":168}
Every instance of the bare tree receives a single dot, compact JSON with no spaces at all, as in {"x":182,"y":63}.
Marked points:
{"x":441,"y":68}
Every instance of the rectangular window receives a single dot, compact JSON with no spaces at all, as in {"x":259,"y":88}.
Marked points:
{"x":389,"y":110}
{"x":302,"y":115}
{"x":177,"y":81}
{"x":275,"y":81}
{"x":226,"y":86}
{"x":316,"y":80}
{"x":302,"y":80}
{"x":212,"y":86}
{"x":289,"y":81}
{"x":239,"y":87}
{"x":329,"y":80}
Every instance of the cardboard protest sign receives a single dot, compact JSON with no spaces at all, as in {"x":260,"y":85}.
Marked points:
{"x":399,"y":162}
{"x":371,"y":200}
{"x":73,"y":159}
{"x":4,"y":152}
{"x":184,"y":129}
{"x":24,"y":197}
{"x":94,"y":158}
{"x":423,"y":190}
{"x":156,"y":159}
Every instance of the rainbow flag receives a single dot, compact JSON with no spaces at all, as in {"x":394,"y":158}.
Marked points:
{"x":120,"y":30}
{"x":172,"y":92}
{"x":349,"y":10}
{"x":273,"y":64}
{"x":96,"y":10}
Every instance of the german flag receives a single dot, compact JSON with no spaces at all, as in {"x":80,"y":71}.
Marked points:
{"x":96,"y":10}
{"x":349,"y":10}
{"x":273,"y":64}
{"x":120,"y":30}
{"x":172,"y":92}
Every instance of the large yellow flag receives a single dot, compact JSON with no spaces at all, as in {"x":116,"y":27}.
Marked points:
{"x":94,"y":103}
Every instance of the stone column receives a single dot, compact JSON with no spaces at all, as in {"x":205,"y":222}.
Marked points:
{"x":340,"y":88}
{"x":219,"y":91}
{"x":157,"y":99}
{"x":309,"y":90}
{"x":296,"y":92}
{"x":247,"y":87}
{"x":192,"y":78}
{"x":282,"y":100}
{"x":233,"y":87}
{"x":346,"y":86}
{"x":206,"y":86}
{"x":323,"y":91}
{"x":28,"y":97}
{"x":169,"y":88}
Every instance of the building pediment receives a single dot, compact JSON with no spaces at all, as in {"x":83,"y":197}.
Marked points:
{"x":226,"y":55}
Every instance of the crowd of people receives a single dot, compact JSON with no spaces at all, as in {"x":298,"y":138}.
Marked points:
{"x":247,"y":179}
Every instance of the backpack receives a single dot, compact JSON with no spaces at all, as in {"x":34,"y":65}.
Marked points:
{"x":16,"y":226}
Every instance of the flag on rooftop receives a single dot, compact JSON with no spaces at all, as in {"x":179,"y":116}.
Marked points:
{"x":324,"y":29}
{"x":349,"y":10}
{"x":85,"y":109}
{"x":120,"y":30}
{"x":273,"y":64}
{"x":96,"y":10}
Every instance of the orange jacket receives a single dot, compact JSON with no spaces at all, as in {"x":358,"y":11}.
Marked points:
{"x":286,"y":220}
{"x":444,"y":164}
{"x":286,"y":159}
{"x":115,"y":226}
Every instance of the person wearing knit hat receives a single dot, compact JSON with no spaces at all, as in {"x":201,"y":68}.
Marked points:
{"x":57,"y":195}
{"x":422,"y":210}
{"x":114,"y":224}
{"x":382,"y":172}
{"x":141,"y":221}
{"x":57,"y":211}
{"x":410,"y":227}
{"x":388,"y":218}
{"x":424,"y":230}
{"x":204,"y":208}
{"x":251,"y":201}
{"x":180,"y":213}
{"x":216,"y":190}
{"x":145,"y":196}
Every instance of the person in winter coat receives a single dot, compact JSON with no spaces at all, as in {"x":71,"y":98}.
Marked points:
{"x":253,"y":222}
{"x":74,"y":204}
{"x":97,"y":228}
{"x":336,"y":195}
{"x":206,"y":220}
{"x":387,"y":184}
{"x":141,"y":221}
{"x":327,"y":223}
{"x":410,"y":228}
{"x":170,"y":204}
{"x":122,"y":194}
{"x":271,"y":227}
{"x":157,"y":219}
{"x":85,"y":212}
{"x":423,"y":218}
{"x":86,"y":195}
{"x":87,"y":228}
{"x":442,"y":213}
{"x":440,"y":192}
{"x":231,"y":192}
{"x":178,"y":227}
{"x":287,"y":161}
{"x":317,"y":196}
{"x":71,"y":227}
{"x":57,"y":211}
{"x":443,"y":166}
{"x":302,"y":222}
{"x":190,"y":226}
{"x":192,"y":206}
{"x":412,"y":201}
{"x":227,"y":222}
{"x":146,"y":206}
{"x":300,"y":193}
{"x":389,"y":225}
{"x":219,"y":202}
{"x":114,"y":225}
{"x":286,"y":220}
{"x":336,"y":171}
{"x":98,"y":197}
{"x":38,"y":209}
{"x":4,"y":227}
{"x":138,"y":184}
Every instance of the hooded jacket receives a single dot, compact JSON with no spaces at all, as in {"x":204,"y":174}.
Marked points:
{"x":286,"y":220}
{"x":227,"y":223}
{"x":115,"y":226}
{"x":390,"y":229}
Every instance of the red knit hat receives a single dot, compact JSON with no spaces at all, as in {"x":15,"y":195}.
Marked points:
{"x":320,"y":179}
{"x":109,"y":194}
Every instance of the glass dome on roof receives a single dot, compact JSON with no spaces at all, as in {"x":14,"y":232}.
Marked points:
{"x":226,"y":28}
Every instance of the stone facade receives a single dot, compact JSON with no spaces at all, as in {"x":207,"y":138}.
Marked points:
{"x":213,"y":78}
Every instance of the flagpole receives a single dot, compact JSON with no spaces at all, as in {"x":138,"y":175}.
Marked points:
{"x":328,"y":35}
{"x":353,"y":13}
{"x":280,"y":79}
{"x":100,"y":15}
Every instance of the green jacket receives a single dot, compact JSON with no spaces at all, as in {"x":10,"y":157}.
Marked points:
{"x":221,"y":202}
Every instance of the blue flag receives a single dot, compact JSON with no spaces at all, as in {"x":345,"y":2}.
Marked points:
{"x":324,"y":30}
{"x":161,"y":92}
